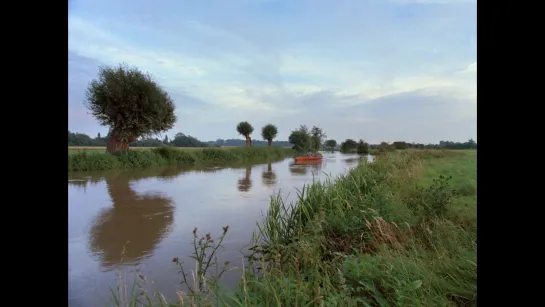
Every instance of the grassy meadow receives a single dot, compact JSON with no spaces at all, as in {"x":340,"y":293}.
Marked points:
{"x":397,"y":232}
{"x":95,"y":158}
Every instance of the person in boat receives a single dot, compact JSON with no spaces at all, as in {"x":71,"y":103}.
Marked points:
{"x":309,"y":154}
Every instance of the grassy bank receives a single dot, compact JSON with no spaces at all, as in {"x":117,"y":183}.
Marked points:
{"x":87,"y":160}
{"x":397,"y":232}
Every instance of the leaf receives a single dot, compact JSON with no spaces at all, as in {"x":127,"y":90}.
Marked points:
{"x":416,"y":284}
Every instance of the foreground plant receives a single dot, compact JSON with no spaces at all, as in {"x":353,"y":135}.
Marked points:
{"x":205,"y":255}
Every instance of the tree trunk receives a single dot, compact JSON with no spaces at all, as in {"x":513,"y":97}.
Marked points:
{"x":116,"y":144}
{"x":269,"y":141}
{"x":248,"y":141}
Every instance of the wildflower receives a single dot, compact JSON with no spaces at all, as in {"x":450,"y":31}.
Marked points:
{"x":175,"y":259}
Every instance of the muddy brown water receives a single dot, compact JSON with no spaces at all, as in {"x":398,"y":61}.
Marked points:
{"x":136,"y":221}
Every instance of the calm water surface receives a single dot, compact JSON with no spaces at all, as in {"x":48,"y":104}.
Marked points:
{"x":138,"y":220}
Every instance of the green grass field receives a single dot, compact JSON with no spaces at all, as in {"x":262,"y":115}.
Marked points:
{"x":397,"y":232}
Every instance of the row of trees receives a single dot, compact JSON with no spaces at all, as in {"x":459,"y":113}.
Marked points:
{"x":136,"y":108}
{"x":239,"y":142}
{"x":179,"y":140}
{"x":268,"y":132}
{"x":350,"y":145}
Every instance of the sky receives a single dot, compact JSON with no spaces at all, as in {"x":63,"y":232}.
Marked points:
{"x":379,"y":70}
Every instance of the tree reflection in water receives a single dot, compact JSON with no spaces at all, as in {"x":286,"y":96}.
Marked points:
{"x":269,"y":176}
{"x":131,"y":229}
{"x":245,"y":183}
{"x":302,"y":169}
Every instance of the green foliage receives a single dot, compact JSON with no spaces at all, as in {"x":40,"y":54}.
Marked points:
{"x":470,"y":144}
{"x":269,"y":132}
{"x":81,"y":139}
{"x":317,"y":136}
{"x":205,"y":250}
{"x":432,"y":201}
{"x":385,"y":147}
{"x":182,"y":140}
{"x":84,"y":161}
{"x":330,"y":144}
{"x":349,"y":145}
{"x":245,"y":129}
{"x":304,"y":140}
{"x":362,"y":148}
{"x":130,"y":102}
{"x":300,"y":140}
{"x":359,"y":241}
{"x":401,"y":145}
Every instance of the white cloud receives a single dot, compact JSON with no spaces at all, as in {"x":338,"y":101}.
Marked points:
{"x":222,"y":68}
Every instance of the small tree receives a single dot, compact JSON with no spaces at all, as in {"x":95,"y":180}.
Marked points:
{"x":245,"y":129}
{"x":363,"y":147}
{"x":385,"y":147}
{"x":269,"y":132}
{"x":348,"y":145}
{"x":131,"y":103}
{"x":330,"y":144}
{"x":317,"y":136}
{"x":401,"y":145}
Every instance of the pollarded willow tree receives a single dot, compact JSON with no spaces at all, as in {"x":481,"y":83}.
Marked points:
{"x":245,"y":129}
{"x":131,"y":103}
{"x":269,"y":132}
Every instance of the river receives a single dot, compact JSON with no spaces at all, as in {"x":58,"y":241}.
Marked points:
{"x":138,"y":220}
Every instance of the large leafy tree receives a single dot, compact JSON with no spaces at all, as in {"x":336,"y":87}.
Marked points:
{"x":269,"y":132}
{"x":245,"y":129}
{"x":300,"y":139}
{"x":131,"y":103}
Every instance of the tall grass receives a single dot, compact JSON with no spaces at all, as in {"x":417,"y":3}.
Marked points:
{"x":84,"y":161}
{"x":396,"y":232}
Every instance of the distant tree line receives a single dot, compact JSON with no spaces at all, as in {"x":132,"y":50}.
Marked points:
{"x":350,"y":145}
{"x":301,"y":136}
{"x":179,"y":140}
{"x":149,"y":110}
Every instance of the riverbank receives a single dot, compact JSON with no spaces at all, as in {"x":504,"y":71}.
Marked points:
{"x":397,"y":232}
{"x":84,"y":160}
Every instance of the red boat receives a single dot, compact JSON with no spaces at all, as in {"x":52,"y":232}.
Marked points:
{"x":308,"y":159}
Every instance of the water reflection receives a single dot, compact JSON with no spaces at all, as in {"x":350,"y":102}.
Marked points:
{"x":134,"y":225}
{"x":80,"y":179}
{"x":245,"y":183}
{"x":269,"y":176}
{"x":109,"y":208}
{"x":303,"y":168}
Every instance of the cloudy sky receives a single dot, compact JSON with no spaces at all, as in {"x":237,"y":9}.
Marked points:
{"x":381,"y":70}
